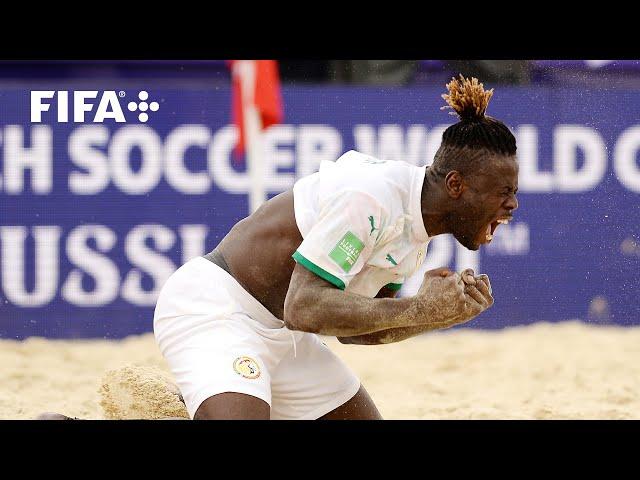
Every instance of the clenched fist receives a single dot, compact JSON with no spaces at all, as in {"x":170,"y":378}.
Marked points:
{"x":478,"y":288}
{"x":446,"y":298}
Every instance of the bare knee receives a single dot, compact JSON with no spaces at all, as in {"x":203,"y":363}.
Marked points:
{"x":233,"y":406}
{"x":359,"y":407}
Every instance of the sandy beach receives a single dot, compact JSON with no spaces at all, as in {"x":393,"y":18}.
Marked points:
{"x":569,"y":370}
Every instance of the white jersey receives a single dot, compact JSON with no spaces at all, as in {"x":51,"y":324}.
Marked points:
{"x":361,"y":221}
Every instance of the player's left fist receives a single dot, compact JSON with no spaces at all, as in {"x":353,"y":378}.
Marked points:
{"x":477,"y":289}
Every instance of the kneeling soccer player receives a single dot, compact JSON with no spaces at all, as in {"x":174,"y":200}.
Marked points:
{"x":239,"y":327}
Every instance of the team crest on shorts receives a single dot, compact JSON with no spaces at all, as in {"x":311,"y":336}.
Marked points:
{"x":247,"y":367}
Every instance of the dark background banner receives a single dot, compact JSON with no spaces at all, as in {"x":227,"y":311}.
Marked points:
{"x":94,"y":215}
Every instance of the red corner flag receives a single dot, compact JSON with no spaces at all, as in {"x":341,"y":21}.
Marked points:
{"x":263,"y":81}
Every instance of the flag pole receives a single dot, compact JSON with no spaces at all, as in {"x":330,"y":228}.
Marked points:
{"x":253,"y":136}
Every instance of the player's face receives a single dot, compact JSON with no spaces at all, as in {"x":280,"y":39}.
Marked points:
{"x":487,"y":200}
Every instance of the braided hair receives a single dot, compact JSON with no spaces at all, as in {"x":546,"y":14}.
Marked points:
{"x":466,"y":143}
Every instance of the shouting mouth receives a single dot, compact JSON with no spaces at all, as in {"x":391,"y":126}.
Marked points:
{"x":491,"y":228}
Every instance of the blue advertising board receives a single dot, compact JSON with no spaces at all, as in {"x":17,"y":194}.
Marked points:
{"x":98,"y":205}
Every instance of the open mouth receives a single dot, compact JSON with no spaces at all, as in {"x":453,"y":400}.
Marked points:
{"x":491,"y":228}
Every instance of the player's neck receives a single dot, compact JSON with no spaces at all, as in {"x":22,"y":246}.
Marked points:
{"x":433,"y":203}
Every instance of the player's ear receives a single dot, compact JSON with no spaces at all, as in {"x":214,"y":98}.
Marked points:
{"x":454,"y":184}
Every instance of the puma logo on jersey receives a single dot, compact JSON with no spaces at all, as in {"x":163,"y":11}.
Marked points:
{"x":373,"y":228}
{"x":390,"y":258}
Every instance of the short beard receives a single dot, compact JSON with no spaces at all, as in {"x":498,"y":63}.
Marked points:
{"x":465,"y":238}
{"x":466,"y":242}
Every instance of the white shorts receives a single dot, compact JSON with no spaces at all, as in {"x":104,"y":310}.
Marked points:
{"x":218,"y":338}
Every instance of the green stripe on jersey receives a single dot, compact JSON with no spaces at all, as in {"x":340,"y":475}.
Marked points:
{"x":297,"y":256}
{"x":394,"y":286}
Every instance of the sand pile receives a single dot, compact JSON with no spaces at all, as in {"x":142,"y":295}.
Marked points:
{"x":139,"y":392}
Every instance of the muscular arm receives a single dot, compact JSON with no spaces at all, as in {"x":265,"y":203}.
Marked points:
{"x":390,"y":335}
{"x":314,"y":305}
{"x":393,"y":335}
